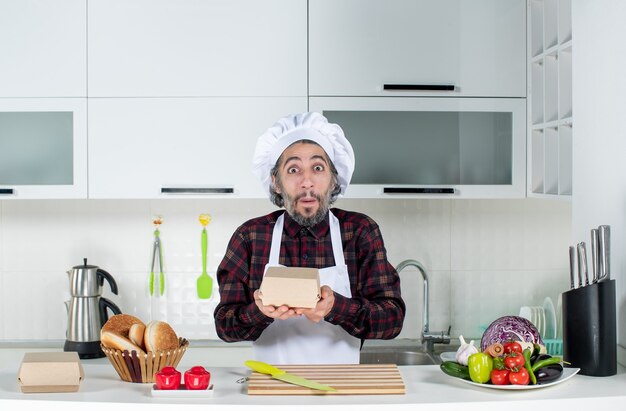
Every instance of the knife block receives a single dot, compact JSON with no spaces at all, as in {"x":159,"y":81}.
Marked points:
{"x":589,"y":329}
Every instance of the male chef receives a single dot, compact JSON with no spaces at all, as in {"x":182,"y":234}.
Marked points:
{"x":304,"y":163}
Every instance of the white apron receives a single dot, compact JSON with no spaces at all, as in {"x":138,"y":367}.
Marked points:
{"x":298,"y":340}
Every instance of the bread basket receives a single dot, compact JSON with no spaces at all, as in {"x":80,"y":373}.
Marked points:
{"x":134,"y":367}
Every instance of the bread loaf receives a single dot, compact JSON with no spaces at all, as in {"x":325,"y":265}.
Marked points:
{"x":120,"y":324}
{"x":160,"y":336}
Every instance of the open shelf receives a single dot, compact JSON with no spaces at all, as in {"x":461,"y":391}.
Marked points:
{"x":550,"y":98}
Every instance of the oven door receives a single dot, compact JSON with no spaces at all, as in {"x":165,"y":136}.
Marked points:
{"x":408,"y":147}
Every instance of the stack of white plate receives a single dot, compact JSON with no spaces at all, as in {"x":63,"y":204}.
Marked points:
{"x":535,"y":315}
{"x":543,"y":317}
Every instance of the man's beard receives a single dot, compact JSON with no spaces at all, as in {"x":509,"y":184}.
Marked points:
{"x":318,"y":217}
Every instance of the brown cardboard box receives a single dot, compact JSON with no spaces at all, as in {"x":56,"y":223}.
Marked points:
{"x":50,"y":372}
{"x":291,"y":286}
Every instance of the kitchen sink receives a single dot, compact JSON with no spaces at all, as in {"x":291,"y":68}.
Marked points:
{"x":398,"y":357}
{"x":403,"y":355}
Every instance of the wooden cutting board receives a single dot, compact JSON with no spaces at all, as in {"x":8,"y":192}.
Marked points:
{"x":365,"y":379}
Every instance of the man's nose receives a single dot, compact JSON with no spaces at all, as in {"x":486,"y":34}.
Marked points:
{"x":307,"y":180}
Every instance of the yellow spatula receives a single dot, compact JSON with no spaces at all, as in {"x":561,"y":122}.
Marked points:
{"x":205,"y":283}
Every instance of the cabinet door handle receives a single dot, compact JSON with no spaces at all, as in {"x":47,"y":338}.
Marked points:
{"x":6,"y":191}
{"x":419,"y":87}
{"x":416,"y":190}
{"x":197,"y":190}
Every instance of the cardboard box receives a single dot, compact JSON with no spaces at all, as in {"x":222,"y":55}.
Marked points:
{"x":50,"y":372}
{"x":291,"y":286}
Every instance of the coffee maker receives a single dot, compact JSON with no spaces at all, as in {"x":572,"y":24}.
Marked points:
{"x":87,"y":310}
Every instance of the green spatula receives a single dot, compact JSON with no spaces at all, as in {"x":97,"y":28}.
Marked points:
{"x":205,"y":283}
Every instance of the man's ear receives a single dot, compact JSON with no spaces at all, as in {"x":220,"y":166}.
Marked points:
{"x":275,"y":186}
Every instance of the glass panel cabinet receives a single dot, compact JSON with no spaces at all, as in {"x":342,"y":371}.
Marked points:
{"x":43,"y":148}
{"x":441,"y":147}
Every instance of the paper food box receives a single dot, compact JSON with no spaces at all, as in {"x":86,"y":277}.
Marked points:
{"x":291,"y":286}
{"x":50,"y":372}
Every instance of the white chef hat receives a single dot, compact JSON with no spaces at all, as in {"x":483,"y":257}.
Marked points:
{"x":304,"y":126}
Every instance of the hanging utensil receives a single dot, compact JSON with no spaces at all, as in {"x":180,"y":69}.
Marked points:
{"x":157,"y":253}
{"x":205,"y":282}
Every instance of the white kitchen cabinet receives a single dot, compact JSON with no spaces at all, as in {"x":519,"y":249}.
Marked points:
{"x":179,"y":147}
{"x":43,"y":148}
{"x":550,"y":99}
{"x":43,"y":48}
{"x":191,"y":48}
{"x":477,"y":47}
{"x":425,"y":147}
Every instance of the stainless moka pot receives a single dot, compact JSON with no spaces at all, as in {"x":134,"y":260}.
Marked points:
{"x":87,"y":311}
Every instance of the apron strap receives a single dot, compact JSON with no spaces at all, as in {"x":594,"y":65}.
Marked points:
{"x":277,"y":236}
{"x":335,"y":238}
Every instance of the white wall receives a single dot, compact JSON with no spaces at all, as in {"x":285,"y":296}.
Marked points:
{"x":599,"y":86}
{"x":485,"y":258}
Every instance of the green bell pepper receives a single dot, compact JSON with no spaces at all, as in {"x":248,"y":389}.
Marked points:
{"x":480,"y":366}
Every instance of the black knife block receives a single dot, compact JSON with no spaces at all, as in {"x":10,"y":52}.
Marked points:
{"x":589,"y":329}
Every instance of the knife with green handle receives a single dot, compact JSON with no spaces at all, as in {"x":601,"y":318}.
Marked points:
{"x":279,"y":374}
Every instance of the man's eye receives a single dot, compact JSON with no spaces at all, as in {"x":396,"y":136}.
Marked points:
{"x":318,"y":168}
{"x":292,"y":170}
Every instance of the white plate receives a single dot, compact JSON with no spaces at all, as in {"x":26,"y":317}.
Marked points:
{"x":448,"y":356}
{"x":559,"y":317}
{"x":567,"y":374}
{"x":550,"y":312}
{"x":182,"y":392}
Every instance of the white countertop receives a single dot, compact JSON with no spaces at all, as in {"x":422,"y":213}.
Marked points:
{"x":426,"y":386}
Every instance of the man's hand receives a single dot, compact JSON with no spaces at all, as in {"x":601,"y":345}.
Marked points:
{"x":322,"y":308}
{"x":278,"y":313}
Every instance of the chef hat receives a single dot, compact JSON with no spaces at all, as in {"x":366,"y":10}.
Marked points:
{"x":304,"y":126}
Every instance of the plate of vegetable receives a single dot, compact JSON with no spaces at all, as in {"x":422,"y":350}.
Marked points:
{"x":507,"y":365}
{"x":566,"y":375}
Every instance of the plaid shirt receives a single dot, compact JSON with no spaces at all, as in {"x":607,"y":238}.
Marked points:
{"x":376,"y":309}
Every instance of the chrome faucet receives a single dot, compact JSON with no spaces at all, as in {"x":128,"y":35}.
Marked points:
{"x":428,"y":338}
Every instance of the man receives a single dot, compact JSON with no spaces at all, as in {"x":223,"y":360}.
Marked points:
{"x":304,"y":163}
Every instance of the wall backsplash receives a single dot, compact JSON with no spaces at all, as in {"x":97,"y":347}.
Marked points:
{"x":485,"y":258}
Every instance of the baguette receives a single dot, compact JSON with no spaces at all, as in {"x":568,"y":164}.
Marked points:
{"x":113,"y":340}
{"x":136,"y":333}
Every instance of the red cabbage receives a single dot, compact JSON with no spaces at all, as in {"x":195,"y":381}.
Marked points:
{"x":510,"y":328}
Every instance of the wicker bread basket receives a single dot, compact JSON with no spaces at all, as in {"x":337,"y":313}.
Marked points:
{"x":133,"y":367}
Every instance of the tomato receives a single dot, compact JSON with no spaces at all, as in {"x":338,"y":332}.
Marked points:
{"x":500,"y":377}
{"x":512,"y":346}
{"x":520,"y":377}
{"x":514,"y":361}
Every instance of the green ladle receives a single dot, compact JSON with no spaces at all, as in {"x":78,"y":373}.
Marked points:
{"x":205,"y":282}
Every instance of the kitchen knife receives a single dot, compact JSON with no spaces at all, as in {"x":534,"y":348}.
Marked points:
{"x":572,"y":267}
{"x":604,"y":252}
{"x":582,"y":265}
{"x":594,"y":255}
{"x":279,"y":374}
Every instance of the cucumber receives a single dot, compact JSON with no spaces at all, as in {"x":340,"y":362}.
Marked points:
{"x":455,"y":369}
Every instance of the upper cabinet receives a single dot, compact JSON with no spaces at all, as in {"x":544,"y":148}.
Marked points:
{"x":410,"y":147}
{"x":423,"y":47}
{"x":192,"y":48}
{"x":43,"y":48}
{"x":179,"y":147}
{"x":43,"y":148}
{"x":550,"y":99}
